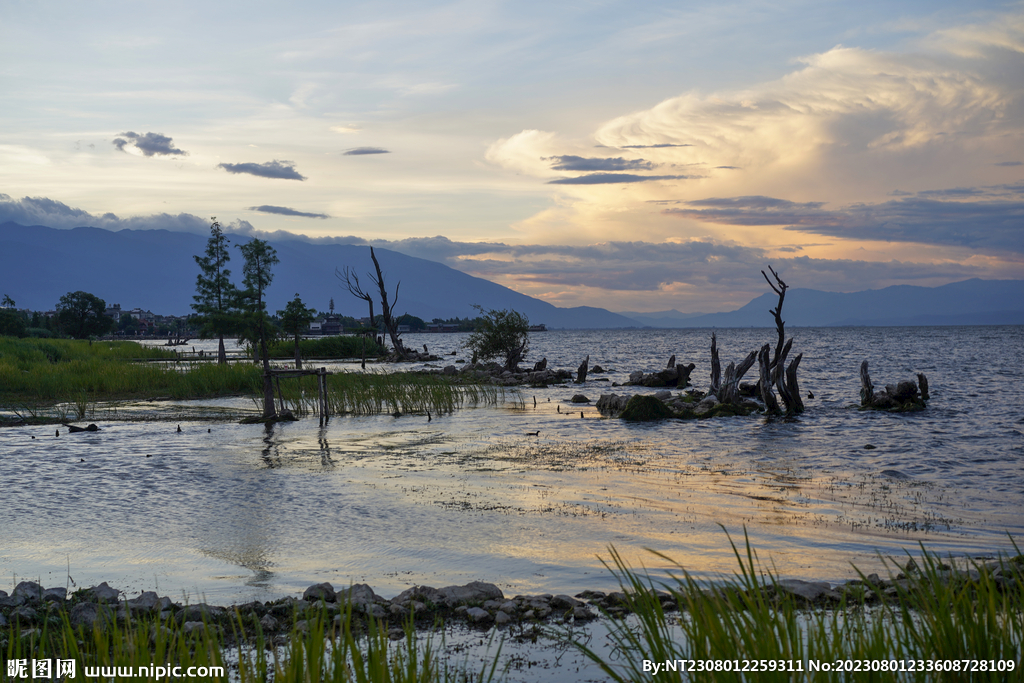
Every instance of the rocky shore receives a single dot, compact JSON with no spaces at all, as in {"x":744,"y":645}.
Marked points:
{"x":31,"y":606}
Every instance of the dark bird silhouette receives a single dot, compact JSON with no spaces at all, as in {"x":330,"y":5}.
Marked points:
{"x":559,"y":409}
{"x":537,"y":433}
{"x":179,"y":428}
{"x":208,"y":431}
{"x":810,"y":394}
{"x":57,"y":432}
{"x":428,"y":416}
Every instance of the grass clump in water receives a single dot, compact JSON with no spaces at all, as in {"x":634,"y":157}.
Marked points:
{"x":374,"y":393}
{"x":755,"y":621}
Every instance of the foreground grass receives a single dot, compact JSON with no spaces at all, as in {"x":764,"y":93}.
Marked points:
{"x":970,"y":624}
{"x":884,"y":631}
{"x":318,"y":649}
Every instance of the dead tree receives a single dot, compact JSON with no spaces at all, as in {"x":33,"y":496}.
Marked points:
{"x":351,"y":282}
{"x":784,"y":380}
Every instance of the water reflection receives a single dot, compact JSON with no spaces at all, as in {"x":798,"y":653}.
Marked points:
{"x":469,"y":496}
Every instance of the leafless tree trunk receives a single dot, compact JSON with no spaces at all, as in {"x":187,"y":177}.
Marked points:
{"x":390,"y":324}
{"x":783,"y":379}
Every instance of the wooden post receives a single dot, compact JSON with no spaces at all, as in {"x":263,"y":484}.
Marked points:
{"x":280,"y":398}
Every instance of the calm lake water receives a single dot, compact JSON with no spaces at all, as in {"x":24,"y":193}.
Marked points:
{"x":234,"y":512}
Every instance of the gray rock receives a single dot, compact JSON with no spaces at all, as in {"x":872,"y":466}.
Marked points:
{"x":420,"y":593}
{"x":811,"y":591}
{"x":478,"y":615}
{"x":24,"y":614}
{"x":475,"y":591}
{"x":663,"y":395}
{"x":502,"y":618}
{"x":579,"y":398}
{"x":706,"y":404}
{"x":563,"y":602}
{"x":146,"y":602}
{"x":320,"y":591}
{"x":635,"y":377}
{"x":102,"y":593}
{"x":583,"y":613}
{"x":268,"y":623}
{"x":12,"y":601}
{"x":3,"y":594}
{"x":359,"y":592}
{"x":508,"y":607}
{"x":194,"y":628}
{"x":610,"y":404}
{"x":450,"y":370}
{"x":30,"y":590}
{"x":58,"y":594}
{"x":87,"y":614}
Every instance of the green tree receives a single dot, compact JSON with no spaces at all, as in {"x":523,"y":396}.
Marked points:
{"x":414,"y":323}
{"x":500,"y":334}
{"x":295,"y":320}
{"x":128,"y":325}
{"x":81,"y":315}
{"x":12,"y":324}
{"x":260,"y":258}
{"x":216,"y":299}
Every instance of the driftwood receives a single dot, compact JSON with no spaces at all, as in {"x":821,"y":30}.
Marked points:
{"x":581,"y":373}
{"x":771,"y":405}
{"x":729,"y":391}
{"x":905,"y":396}
{"x":671,"y":361}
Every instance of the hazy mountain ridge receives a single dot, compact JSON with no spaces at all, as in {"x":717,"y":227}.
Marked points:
{"x":155,"y":269}
{"x":970,"y":302}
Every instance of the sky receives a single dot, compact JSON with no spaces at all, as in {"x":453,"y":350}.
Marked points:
{"x":630,"y":156}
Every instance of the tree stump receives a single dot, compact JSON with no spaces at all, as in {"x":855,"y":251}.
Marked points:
{"x":581,"y":373}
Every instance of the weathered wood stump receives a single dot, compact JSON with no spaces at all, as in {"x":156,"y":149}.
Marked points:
{"x":581,"y":373}
{"x":903,"y":397}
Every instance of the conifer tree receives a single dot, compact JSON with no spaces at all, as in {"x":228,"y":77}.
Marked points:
{"x":260,"y":258}
{"x":216,"y":299}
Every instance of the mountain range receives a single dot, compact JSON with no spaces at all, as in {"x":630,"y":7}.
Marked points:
{"x":155,"y":270}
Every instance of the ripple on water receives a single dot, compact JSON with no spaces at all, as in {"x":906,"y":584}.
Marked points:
{"x":240,"y":512}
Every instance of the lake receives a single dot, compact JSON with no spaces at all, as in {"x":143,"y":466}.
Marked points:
{"x":233,"y":512}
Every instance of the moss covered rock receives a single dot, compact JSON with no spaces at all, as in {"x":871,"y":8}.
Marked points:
{"x":645,"y":408}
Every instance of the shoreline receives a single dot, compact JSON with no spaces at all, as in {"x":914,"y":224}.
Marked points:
{"x":480,"y":604}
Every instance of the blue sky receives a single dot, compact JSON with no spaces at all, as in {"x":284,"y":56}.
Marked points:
{"x":633,"y":157}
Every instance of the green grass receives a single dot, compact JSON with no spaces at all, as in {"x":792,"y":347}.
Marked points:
{"x":44,"y":380}
{"x":316,"y":649}
{"x":373,"y":393}
{"x":42,"y":372}
{"x":930,"y":617}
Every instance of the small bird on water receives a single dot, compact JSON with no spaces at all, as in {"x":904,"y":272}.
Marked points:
{"x":179,"y":428}
{"x":58,"y":432}
{"x":537,"y":433}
